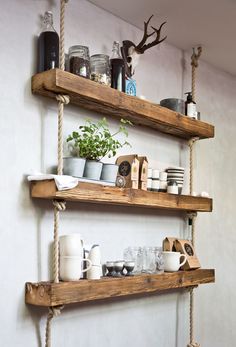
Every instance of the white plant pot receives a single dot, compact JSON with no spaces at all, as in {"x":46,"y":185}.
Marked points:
{"x":109,"y":172}
{"x":93,"y":169}
{"x":73,"y":166}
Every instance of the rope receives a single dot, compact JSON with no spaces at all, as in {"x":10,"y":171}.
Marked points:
{"x":191,"y":215}
{"x":195,"y":56}
{"x":52,"y":312}
{"x":62,"y":99}
{"x":58,"y":205}
{"x":194,"y":63}
{"x":62,"y":35}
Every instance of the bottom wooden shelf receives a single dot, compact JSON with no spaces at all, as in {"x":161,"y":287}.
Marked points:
{"x":53,"y":294}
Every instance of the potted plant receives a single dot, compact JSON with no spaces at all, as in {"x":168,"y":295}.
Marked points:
{"x":93,"y":142}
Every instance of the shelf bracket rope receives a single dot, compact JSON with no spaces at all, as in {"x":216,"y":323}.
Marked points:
{"x":194,"y":63}
{"x":59,"y":205}
{"x":52,"y":312}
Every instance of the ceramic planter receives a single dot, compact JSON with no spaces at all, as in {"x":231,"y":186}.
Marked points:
{"x":109,"y":172}
{"x":74,"y":166}
{"x":93,"y":169}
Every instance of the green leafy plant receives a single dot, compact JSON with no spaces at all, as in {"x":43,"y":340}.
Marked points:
{"x":95,"y":140}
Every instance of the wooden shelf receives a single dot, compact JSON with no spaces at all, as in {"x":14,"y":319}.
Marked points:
{"x":53,"y":294}
{"x":94,"y":193}
{"x":103,"y":99}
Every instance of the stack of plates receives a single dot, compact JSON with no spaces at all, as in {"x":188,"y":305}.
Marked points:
{"x":176,"y":174}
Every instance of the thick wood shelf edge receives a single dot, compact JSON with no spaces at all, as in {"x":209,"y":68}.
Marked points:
{"x":53,"y":294}
{"x":97,"y":194}
{"x":103,"y":99}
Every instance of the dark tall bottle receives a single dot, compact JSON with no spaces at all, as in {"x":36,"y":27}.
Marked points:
{"x":48,"y":45}
{"x":117,"y":68}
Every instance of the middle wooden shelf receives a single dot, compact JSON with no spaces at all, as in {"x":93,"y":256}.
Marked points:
{"x":94,"y":193}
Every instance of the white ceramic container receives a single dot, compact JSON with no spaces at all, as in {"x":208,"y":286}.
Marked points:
{"x":172,"y":261}
{"x":71,"y":245}
{"x":71,"y":268}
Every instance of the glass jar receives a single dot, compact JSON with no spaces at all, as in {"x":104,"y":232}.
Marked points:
{"x":79,"y":61}
{"x":100,"y":69}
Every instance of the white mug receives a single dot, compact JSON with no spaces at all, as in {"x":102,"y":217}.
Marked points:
{"x":172,"y":261}
{"x":71,"y":268}
{"x":94,"y":273}
{"x":71,"y":245}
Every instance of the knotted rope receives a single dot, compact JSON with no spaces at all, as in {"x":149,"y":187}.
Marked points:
{"x":192,"y":216}
{"x":58,"y":205}
{"x":52,"y":312}
{"x":194,"y":62}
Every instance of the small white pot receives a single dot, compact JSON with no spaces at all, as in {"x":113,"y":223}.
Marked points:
{"x":93,"y":169}
{"x":109,"y":172}
{"x":73,"y":166}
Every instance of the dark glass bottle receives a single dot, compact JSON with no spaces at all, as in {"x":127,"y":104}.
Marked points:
{"x":117,"y":68}
{"x":48,"y":45}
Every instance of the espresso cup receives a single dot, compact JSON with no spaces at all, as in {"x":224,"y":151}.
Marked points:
{"x":71,"y":268}
{"x":172,"y":261}
{"x":71,"y":245}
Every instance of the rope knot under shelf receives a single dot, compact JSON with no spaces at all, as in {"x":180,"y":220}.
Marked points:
{"x":65,"y":99}
{"x":59,"y":204}
{"x":52,"y":312}
{"x":194,"y":344}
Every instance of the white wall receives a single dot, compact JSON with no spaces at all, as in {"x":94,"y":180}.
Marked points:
{"x":28,"y":138}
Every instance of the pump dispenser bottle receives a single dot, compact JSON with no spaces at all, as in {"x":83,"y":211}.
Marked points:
{"x":190,"y":106}
{"x":48,"y":45}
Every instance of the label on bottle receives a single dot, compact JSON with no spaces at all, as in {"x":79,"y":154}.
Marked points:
{"x":191,"y":110}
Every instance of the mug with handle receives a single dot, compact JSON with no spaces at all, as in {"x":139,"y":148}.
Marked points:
{"x":172,"y":261}
{"x":71,"y":267}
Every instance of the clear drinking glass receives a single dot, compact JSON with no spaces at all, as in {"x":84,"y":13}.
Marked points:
{"x":134,"y":254}
{"x":149,"y":260}
{"x":159,"y":260}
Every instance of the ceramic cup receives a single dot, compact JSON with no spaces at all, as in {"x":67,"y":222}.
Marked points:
{"x":94,"y":273}
{"x":172,"y":261}
{"x":71,"y":245}
{"x":71,"y":268}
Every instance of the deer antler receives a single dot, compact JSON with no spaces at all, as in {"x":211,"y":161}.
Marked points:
{"x":142,"y":47}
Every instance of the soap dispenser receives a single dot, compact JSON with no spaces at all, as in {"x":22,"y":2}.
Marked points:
{"x":190,"y":106}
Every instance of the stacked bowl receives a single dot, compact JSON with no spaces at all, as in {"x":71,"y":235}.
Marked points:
{"x":175,"y":173}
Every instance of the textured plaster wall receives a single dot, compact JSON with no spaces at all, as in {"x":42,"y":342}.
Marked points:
{"x":28,"y":138}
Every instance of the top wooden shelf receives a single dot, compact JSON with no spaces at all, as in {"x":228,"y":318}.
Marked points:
{"x":103,"y":99}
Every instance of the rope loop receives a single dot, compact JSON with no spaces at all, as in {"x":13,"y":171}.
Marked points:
{"x":59,"y":204}
{"x":65,"y":99}
{"x":195,"y":56}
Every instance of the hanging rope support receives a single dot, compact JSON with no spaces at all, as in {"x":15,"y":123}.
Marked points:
{"x":58,"y":205}
{"x":194,"y":62}
{"x":52,"y":312}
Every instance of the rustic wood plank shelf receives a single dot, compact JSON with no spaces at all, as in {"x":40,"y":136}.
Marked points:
{"x":94,"y":193}
{"x":53,"y":294}
{"x":103,"y":99}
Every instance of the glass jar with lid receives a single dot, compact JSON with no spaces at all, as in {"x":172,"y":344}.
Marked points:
{"x":100,"y":69}
{"x":79,"y":61}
